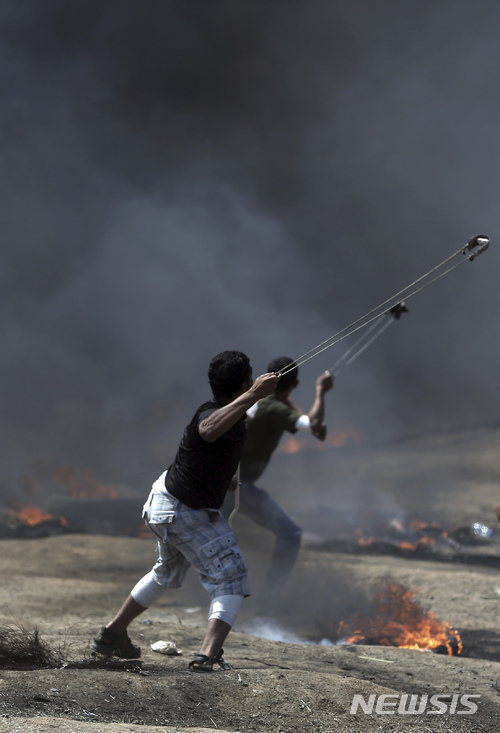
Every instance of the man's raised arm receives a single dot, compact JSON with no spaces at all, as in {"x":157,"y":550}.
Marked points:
{"x":219,"y":422}
{"x":324,"y":384}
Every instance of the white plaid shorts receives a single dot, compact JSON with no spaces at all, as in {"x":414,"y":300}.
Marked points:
{"x":198,"y":537}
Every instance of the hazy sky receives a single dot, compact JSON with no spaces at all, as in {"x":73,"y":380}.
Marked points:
{"x":182,"y":177}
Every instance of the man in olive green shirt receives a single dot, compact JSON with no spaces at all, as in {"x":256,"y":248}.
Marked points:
{"x":269,"y":418}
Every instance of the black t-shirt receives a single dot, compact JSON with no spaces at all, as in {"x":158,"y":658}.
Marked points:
{"x":201,"y":472}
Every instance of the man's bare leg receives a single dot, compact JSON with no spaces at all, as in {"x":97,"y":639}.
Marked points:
{"x":127,"y":613}
{"x":215,"y":636}
{"x":113,"y":638}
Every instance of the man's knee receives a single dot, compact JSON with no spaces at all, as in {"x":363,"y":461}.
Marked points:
{"x":225,"y":608}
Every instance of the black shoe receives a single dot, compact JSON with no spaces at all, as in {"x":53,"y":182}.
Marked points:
{"x":108,"y":642}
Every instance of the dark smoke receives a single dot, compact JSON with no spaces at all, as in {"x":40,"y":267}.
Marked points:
{"x":184,"y":177}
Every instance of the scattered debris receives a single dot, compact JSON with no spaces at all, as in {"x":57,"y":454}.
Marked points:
{"x":472,"y":534}
{"x":376,"y":659}
{"x":165,"y":647}
{"x":30,"y":523}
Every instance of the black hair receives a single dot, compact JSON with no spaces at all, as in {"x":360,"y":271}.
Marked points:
{"x":227,"y":372}
{"x":282,"y":362}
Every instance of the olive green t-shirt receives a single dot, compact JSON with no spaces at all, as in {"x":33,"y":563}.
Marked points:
{"x":264,"y":431}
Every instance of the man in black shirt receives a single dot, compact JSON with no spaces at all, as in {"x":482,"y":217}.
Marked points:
{"x":183,"y":512}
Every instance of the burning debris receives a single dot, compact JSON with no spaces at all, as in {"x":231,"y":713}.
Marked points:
{"x":417,"y":535}
{"x":84,"y":506}
{"x":399,"y":620}
{"x":30,"y":521}
{"x":472,"y":534}
{"x":419,"y":540}
{"x":29,"y":514}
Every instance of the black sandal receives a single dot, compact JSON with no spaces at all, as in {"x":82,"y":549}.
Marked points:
{"x":202,"y":663}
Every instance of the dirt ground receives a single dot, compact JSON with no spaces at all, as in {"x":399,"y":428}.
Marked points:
{"x":67,"y":586}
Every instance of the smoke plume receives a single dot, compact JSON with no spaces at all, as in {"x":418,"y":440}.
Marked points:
{"x":185,"y":177}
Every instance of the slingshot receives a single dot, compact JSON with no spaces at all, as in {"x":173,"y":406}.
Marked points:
{"x":377,"y":328}
{"x":474,"y":247}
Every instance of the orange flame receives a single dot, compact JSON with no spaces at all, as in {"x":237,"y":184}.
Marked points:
{"x":337,"y":438}
{"x":415,"y":525}
{"x":29,"y":514}
{"x":419,"y":525}
{"x":399,"y":620}
{"x":365,"y":541}
{"x":87,"y":486}
{"x":421,"y":542}
{"x":290,"y":445}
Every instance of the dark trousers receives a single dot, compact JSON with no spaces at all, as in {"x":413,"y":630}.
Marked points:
{"x":256,"y":504}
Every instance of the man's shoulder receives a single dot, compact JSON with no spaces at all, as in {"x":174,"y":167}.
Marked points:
{"x":206,"y":409}
{"x":272,"y":406}
{"x":200,"y":414}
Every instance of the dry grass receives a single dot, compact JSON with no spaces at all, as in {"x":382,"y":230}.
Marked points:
{"x":23,"y":649}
